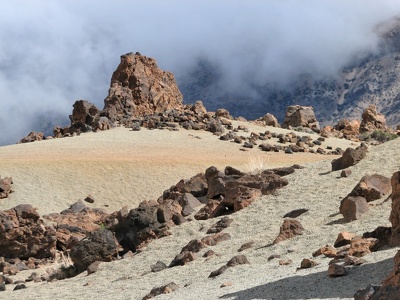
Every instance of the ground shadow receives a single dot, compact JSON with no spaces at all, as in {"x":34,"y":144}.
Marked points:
{"x":318,"y":285}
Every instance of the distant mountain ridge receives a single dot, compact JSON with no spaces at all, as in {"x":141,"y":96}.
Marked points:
{"x":374,"y":79}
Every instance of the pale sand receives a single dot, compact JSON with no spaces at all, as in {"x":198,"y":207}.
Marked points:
{"x":121,"y":167}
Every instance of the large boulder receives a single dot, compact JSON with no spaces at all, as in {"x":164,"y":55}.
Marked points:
{"x":353,"y":207}
{"x":372,"y":187}
{"x":303,"y":116}
{"x":349,"y":158}
{"x":138,"y":87}
{"x":23,"y":234}
{"x":98,"y":245}
{"x":84,"y":115}
{"x":136,"y":228}
{"x":372,"y":120}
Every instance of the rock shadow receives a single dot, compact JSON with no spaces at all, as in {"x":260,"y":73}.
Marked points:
{"x":318,"y":285}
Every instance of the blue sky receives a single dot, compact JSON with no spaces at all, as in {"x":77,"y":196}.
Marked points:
{"x":55,"y":52}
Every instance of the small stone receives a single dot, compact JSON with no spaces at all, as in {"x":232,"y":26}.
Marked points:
{"x":89,"y":199}
{"x":308,"y":263}
{"x":273,"y":256}
{"x":20,"y":287}
{"x":237,"y":260}
{"x":225,"y":284}
{"x":335,"y":270}
{"x":93,"y":267}
{"x":246,"y":246}
{"x":158,"y":266}
{"x":218,"y":272}
{"x":345,"y":173}
{"x":285,"y":262}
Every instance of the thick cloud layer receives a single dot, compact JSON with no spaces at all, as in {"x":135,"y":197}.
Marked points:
{"x":55,"y":52}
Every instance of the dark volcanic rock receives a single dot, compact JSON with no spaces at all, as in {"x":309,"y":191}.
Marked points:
{"x":99,"y":245}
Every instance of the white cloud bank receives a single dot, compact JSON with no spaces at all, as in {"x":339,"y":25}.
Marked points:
{"x":55,"y":52}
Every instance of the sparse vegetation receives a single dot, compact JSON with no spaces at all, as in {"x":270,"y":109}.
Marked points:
{"x":378,"y":135}
{"x":257,"y":164}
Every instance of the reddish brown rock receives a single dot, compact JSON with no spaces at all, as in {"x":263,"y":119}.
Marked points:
{"x":335,"y":270}
{"x":5,"y":187}
{"x":245,"y":246}
{"x":165,"y":289}
{"x":361,"y":246}
{"x":372,"y":187}
{"x":372,"y":120}
{"x":307,"y":263}
{"x":182,"y":259}
{"x":237,"y":260}
{"x":139,"y":87}
{"x":215,"y":239}
{"x":289,"y":229}
{"x":218,"y":272}
{"x":23,"y":234}
{"x":193,"y":246}
{"x":270,"y":120}
{"x":303,"y":116}
{"x":353,"y":207}
{"x":345,"y":173}
{"x":199,"y":108}
{"x":32,"y":137}
{"x":343,"y":238}
{"x":382,"y":234}
{"x":349,"y":158}
{"x":348,"y":128}
{"x":84,"y":115}
{"x":74,"y":223}
{"x":220,"y":225}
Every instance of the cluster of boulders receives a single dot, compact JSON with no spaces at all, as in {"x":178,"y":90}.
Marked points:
{"x":371,"y":121}
{"x":5,"y":187}
{"x":90,"y":235}
{"x":370,"y":188}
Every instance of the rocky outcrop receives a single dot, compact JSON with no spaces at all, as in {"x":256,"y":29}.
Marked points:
{"x":23,"y":234}
{"x":372,"y":120}
{"x":74,"y":223}
{"x":32,"y":137}
{"x":5,"y":187}
{"x":84,"y":116}
{"x":300,"y":116}
{"x":138,"y":87}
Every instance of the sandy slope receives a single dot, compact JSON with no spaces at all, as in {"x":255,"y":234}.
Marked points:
{"x":121,"y":167}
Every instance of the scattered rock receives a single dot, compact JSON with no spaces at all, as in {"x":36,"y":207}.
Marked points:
{"x":365,"y":294}
{"x":308,"y":263}
{"x":289,"y":229}
{"x":285,"y":262}
{"x":395,"y":212}
{"x":335,"y":270}
{"x":246,"y":246}
{"x":89,"y":199}
{"x":32,"y":137}
{"x":343,"y":238}
{"x":5,"y":187}
{"x":349,"y":158}
{"x":194,"y":246}
{"x":360,"y":247}
{"x":345,"y":173}
{"x":215,"y":239}
{"x":93,"y":267}
{"x":20,"y":287}
{"x":353,"y":207}
{"x":182,"y":259}
{"x":225,"y":284}
{"x":382,"y":234}
{"x":220,"y":225}
{"x":237,"y":260}
{"x":165,"y":289}
{"x":273,"y":256}
{"x":158,"y":266}
{"x":218,"y":272}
